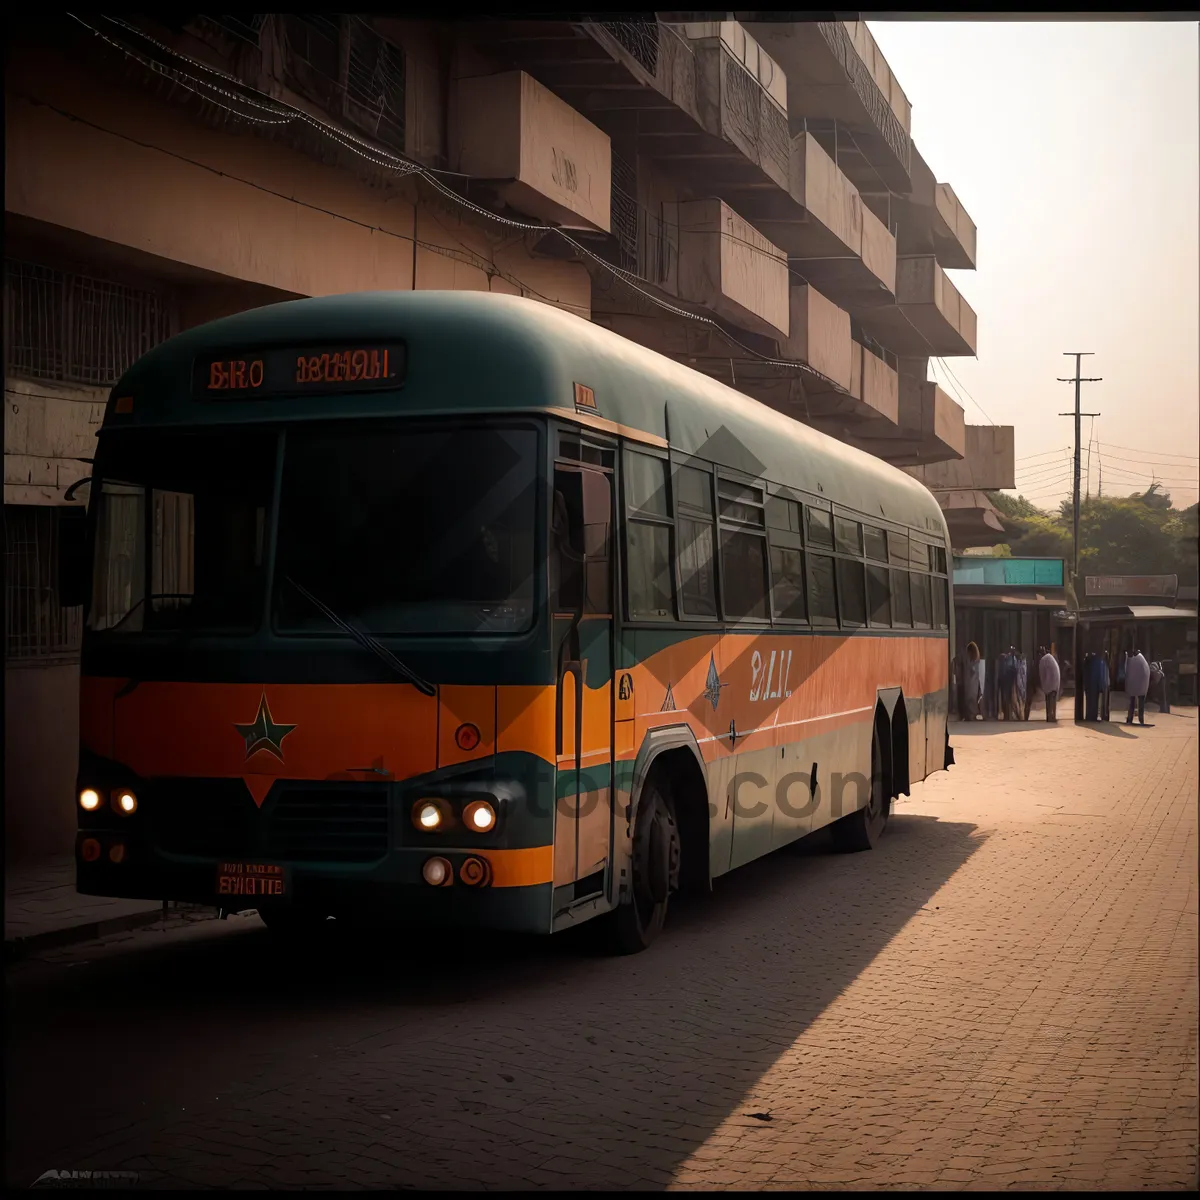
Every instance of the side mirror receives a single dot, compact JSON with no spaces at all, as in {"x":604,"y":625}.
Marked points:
{"x":72,"y":557}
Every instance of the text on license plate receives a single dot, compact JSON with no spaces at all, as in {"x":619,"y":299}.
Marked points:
{"x":251,"y":879}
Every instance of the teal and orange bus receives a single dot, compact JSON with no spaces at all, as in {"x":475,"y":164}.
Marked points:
{"x":457,"y":610}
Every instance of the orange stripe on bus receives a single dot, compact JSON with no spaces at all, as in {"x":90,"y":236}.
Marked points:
{"x":521,"y":868}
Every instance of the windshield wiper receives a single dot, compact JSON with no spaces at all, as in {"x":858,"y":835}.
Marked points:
{"x":365,"y":640}
{"x":141,"y":604}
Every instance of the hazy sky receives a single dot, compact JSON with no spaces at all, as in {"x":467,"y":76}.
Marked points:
{"x":1076,"y":150}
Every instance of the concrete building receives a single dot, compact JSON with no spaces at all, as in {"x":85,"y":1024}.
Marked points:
{"x":742,"y":195}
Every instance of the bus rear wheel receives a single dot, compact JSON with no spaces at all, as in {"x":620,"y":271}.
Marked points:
{"x":655,"y":870}
{"x":862,"y":829}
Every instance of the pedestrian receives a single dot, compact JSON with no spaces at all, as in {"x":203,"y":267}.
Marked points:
{"x":973,"y":683}
{"x":1006,"y":682}
{"x":1050,"y":678}
{"x":1091,"y":686}
{"x":1102,"y":686}
{"x":1137,"y":683}
{"x":1158,"y":681}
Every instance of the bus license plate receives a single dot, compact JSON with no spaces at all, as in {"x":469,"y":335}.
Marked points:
{"x":251,"y":879}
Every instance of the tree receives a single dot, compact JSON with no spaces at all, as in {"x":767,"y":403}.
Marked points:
{"x":1139,"y":534}
{"x":1013,"y":506}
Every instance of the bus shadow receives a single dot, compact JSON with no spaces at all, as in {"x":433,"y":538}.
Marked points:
{"x":989,"y":728}
{"x":470,"y":1063}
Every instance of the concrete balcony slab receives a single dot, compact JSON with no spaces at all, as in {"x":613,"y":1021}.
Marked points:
{"x":987,"y":464}
{"x":836,"y":72}
{"x":929,"y":317}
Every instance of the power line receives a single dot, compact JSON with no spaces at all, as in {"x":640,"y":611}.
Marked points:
{"x":945,"y":367}
{"x":1038,"y":477}
{"x":1045,"y":453}
{"x":1153,"y":462}
{"x":1048,"y":485}
{"x":1152,"y":453}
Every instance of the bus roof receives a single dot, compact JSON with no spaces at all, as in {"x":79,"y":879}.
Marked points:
{"x":476,"y":352}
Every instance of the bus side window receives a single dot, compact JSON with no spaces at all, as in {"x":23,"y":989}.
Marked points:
{"x":597,"y":527}
{"x":580,"y":527}
{"x":566,"y":559}
{"x":694,"y":542}
{"x":650,"y":569}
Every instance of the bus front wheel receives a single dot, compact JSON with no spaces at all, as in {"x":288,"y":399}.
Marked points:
{"x":655,"y":869}
{"x":862,"y":829}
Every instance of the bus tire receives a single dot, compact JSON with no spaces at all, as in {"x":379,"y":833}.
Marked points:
{"x":862,"y":829}
{"x":654,"y":868}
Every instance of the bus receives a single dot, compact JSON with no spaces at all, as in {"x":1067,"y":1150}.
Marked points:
{"x":456,"y":610}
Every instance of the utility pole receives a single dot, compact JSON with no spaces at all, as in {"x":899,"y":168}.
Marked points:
{"x":1077,"y":379}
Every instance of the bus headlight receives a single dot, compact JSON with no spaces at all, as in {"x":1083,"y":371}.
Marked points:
{"x":479,"y":816}
{"x":89,"y":799}
{"x":428,"y":816}
{"x":125,"y":802}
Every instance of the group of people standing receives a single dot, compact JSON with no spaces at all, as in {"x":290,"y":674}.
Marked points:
{"x":1014,"y":696}
{"x":1014,"y":689}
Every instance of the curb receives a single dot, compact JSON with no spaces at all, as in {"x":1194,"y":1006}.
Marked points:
{"x":89,"y":931}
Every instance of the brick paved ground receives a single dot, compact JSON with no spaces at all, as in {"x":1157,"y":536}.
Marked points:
{"x":40,"y":899}
{"x":1004,"y":994}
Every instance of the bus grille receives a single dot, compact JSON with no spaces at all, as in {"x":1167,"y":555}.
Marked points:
{"x":324,"y":824}
{"x":208,"y":818}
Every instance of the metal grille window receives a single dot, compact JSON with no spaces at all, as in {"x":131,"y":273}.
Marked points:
{"x":658,"y":247}
{"x":886,"y":121}
{"x":375,"y":84}
{"x":71,"y":328}
{"x":743,"y":93}
{"x":639,"y":38}
{"x":625,"y":213}
{"x":36,"y":626}
{"x":343,"y":64}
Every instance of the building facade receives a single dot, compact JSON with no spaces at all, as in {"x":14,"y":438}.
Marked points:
{"x":742,"y":195}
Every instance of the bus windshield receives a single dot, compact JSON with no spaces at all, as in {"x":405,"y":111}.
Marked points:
{"x":422,"y":530}
{"x":398,"y":531}
{"x":181,"y":530}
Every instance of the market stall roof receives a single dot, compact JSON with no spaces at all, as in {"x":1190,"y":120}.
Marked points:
{"x":1135,"y":612}
{"x":983,"y":598}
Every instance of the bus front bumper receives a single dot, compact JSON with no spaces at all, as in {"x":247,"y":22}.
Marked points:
{"x":391,"y":890}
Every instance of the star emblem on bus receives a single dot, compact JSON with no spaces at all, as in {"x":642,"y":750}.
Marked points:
{"x":713,"y":684}
{"x":264,"y":733}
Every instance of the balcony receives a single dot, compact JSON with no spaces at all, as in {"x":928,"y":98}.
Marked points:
{"x":701,"y":105}
{"x":932,"y":220}
{"x":930,"y":317}
{"x":837,"y":244}
{"x":729,"y":268}
{"x":836,"y":73}
{"x":533,"y":150}
{"x":741,"y":95}
{"x":953,"y":231}
{"x":820,"y":337}
{"x":972,"y":519}
{"x":988,"y":463}
{"x":929,"y":428}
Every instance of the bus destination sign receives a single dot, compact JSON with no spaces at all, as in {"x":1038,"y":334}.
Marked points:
{"x":299,"y":371}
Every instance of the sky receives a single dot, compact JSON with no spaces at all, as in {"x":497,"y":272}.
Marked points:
{"x":1075,"y":148}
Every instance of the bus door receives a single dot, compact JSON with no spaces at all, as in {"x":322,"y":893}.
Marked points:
{"x":581,"y":583}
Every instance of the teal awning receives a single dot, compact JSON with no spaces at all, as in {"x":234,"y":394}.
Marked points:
{"x":971,"y":571}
